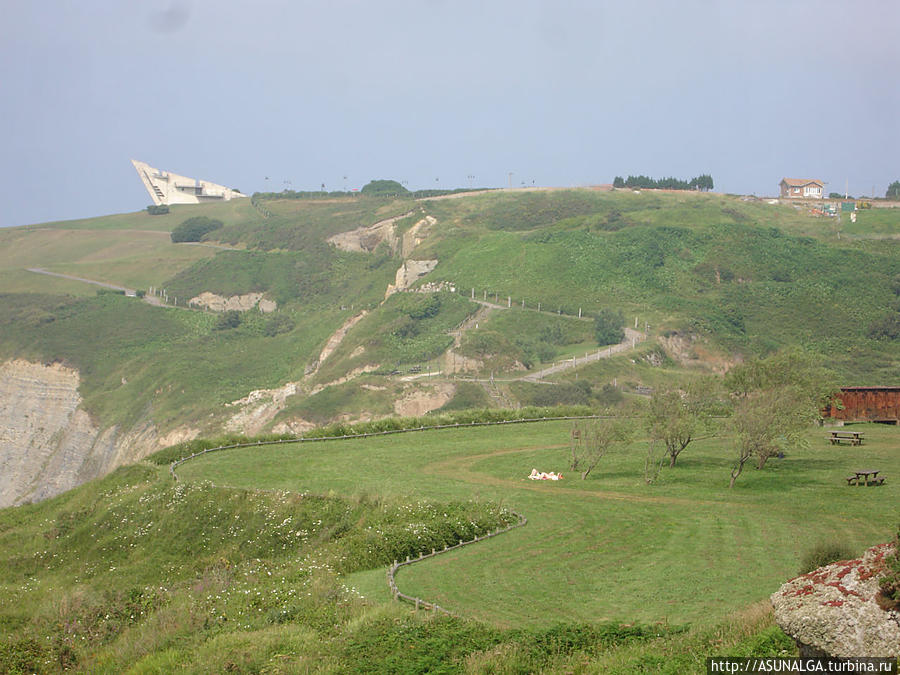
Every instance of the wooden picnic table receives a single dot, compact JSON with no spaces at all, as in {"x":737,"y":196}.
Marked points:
{"x":838,"y":435}
{"x":861,"y":477}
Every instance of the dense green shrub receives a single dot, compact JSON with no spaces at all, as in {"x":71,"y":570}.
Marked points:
{"x":194,"y":229}
{"x":157,"y":209}
{"x":887,"y":328}
{"x":277,"y":324}
{"x":608,"y":326}
{"x":825,"y":553}
{"x":230,"y":319}
{"x":381,"y":188}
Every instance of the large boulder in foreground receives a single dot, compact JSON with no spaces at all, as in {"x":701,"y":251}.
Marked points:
{"x":833,"y":611}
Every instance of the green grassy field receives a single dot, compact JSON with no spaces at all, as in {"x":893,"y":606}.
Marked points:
{"x":272,"y":558}
{"x":686,"y":549}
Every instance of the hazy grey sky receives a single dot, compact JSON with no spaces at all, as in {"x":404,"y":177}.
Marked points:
{"x":559,"y":92}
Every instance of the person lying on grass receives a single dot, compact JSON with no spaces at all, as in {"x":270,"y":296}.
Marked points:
{"x":541,"y":475}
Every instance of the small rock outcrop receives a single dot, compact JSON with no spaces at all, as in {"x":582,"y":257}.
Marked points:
{"x":833,"y":611}
{"x":410,"y":272}
{"x":241,"y":303}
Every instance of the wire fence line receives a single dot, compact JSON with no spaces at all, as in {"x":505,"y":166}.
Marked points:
{"x":419,"y":603}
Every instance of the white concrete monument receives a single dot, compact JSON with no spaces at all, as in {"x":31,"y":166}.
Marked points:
{"x":170,"y":188}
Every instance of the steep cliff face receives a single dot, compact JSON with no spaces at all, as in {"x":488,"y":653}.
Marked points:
{"x":48,"y":443}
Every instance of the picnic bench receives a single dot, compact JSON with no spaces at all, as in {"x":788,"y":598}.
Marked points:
{"x":838,"y":436}
{"x":861,"y":477}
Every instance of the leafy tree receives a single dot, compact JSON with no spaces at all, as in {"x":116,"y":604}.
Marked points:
{"x":775,"y":400}
{"x":609,"y":326}
{"x":591,"y":439}
{"x":676,"y":416}
{"x":383,"y":188}
{"x":618,"y":182}
{"x":893,"y":191}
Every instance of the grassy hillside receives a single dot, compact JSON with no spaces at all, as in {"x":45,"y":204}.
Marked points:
{"x":271,"y":559}
{"x":735,"y":277}
{"x":172,"y":365}
{"x":279,"y":565}
{"x":137,"y":574}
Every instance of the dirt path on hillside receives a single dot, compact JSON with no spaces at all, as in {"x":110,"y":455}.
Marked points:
{"x":103,"y":284}
{"x":129,"y":292}
{"x":460,"y":468}
{"x":632,"y":338}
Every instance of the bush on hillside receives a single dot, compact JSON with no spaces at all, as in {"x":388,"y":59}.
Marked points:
{"x":230,"y":319}
{"x":609,"y":326}
{"x":887,"y":328}
{"x":277,"y":324}
{"x":157,"y":209}
{"x":194,"y":229}
{"x":418,"y":307}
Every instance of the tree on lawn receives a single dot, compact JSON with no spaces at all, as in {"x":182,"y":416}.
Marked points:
{"x":893,"y":191}
{"x":591,"y":440}
{"x":775,"y":401}
{"x":677,"y":415}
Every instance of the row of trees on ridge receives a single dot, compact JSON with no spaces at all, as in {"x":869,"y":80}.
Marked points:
{"x":702,"y":182}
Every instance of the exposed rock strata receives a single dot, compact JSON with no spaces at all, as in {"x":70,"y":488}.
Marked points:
{"x":833,"y":611}
{"x":48,"y":442}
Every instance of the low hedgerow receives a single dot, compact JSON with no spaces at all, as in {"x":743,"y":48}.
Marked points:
{"x":183,"y":450}
{"x":410,"y":529}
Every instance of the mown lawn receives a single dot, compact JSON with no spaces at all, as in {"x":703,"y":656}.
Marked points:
{"x":685,"y":549}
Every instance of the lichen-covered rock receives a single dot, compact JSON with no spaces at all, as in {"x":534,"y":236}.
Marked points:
{"x":833,"y":610}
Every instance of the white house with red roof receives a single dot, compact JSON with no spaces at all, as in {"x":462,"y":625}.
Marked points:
{"x":802,"y":188}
